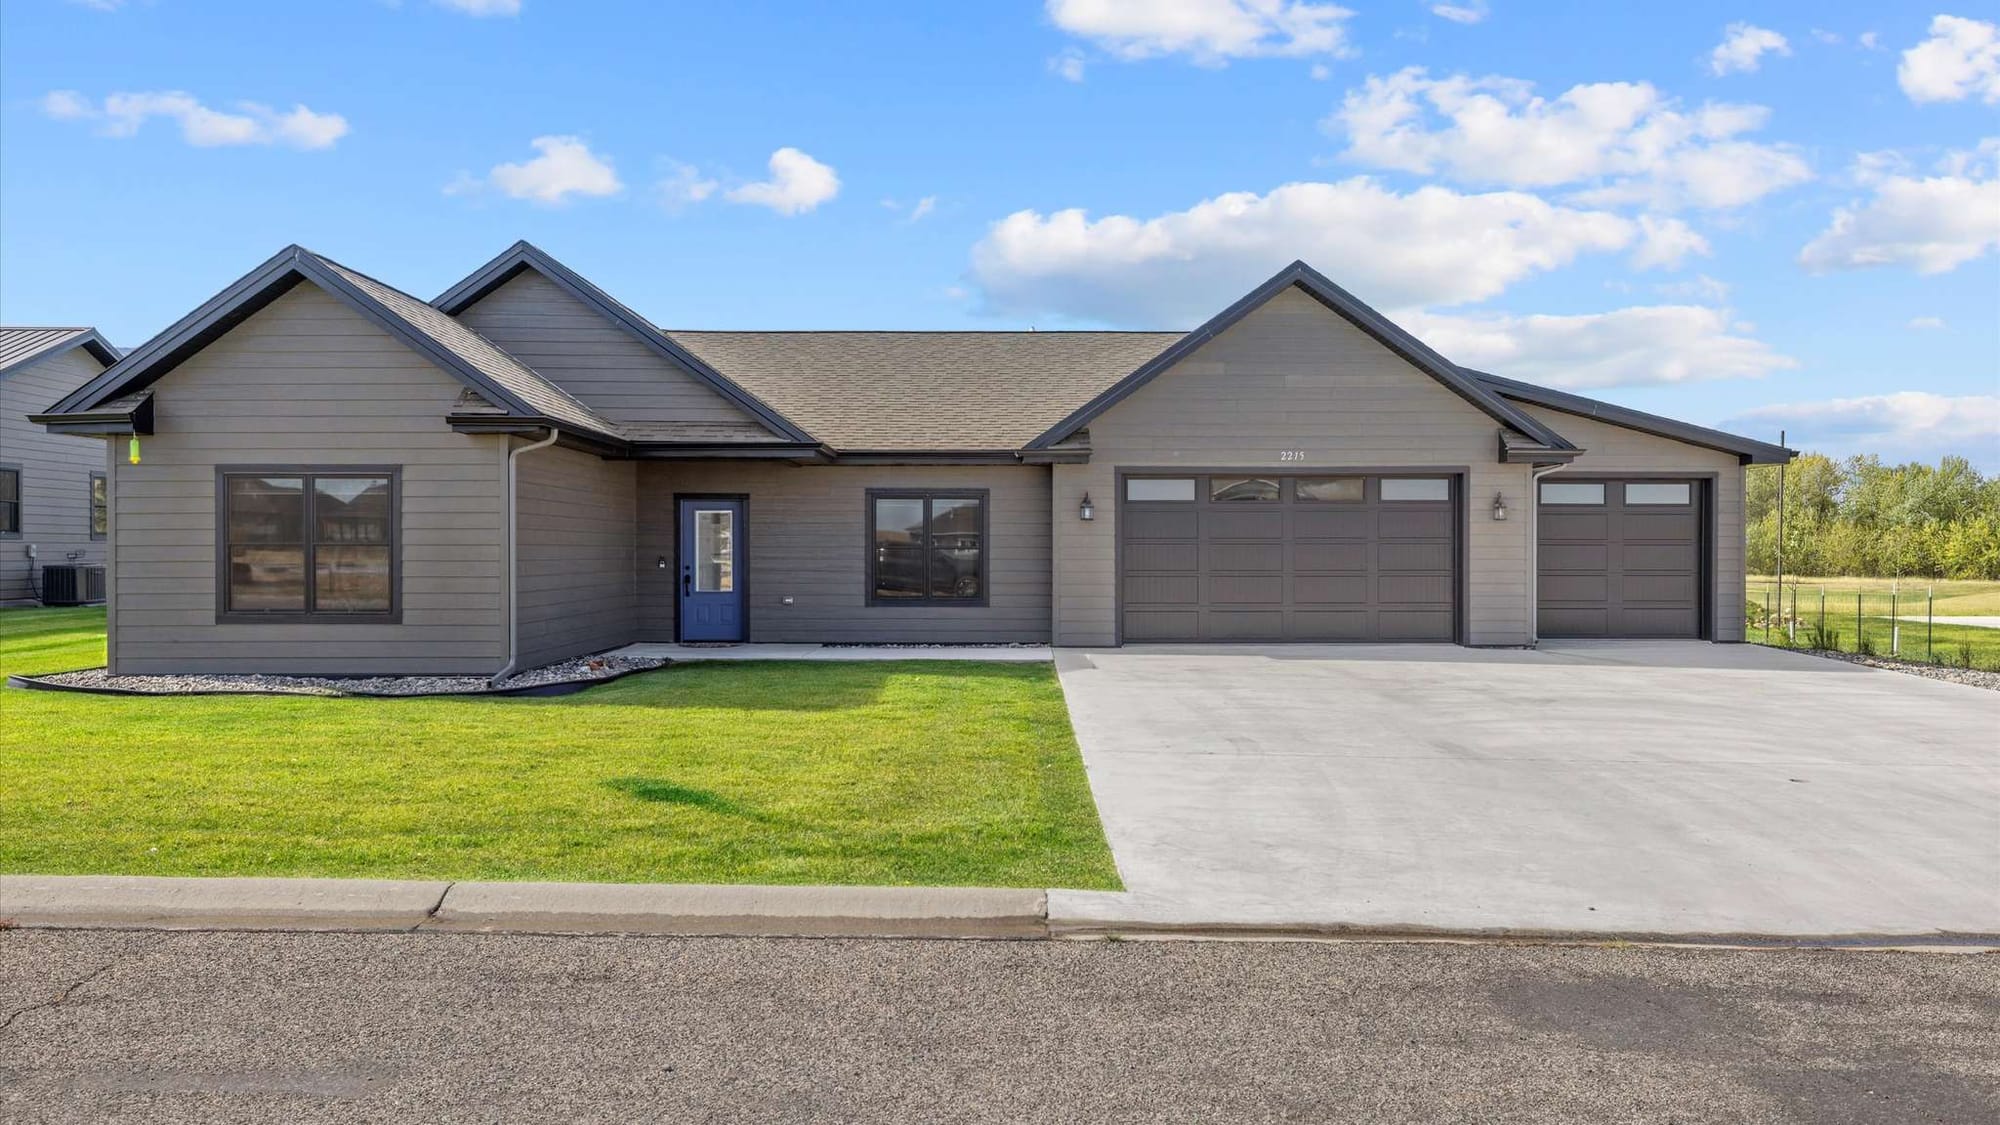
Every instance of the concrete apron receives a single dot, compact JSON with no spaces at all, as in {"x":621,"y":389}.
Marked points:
{"x":124,"y":902}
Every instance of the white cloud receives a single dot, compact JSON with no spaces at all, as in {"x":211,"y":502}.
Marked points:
{"x":1904,"y":424}
{"x":922,"y":208}
{"x":1932,"y":224}
{"x":1664,"y":243}
{"x":1620,"y":143}
{"x":683,"y":186}
{"x":1702,"y":288}
{"x":1068,"y":65}
{"x":566,"y":167}
{"x":1961,"y":58}
{"x":1431,"y":246}
{"x":483,"y":7}
{"x":1645,"y":344}
{"x":1927,"y":323}
{"x":122,"y":115}
{"x":1743,"y":46}
{"x":1830,"y":38}
{"x":1320,"y":72}
{"x":1211,"y":32}
{"x":1869,"y":40}
{"x":798,"y":184}
{"x":1471,"y":11}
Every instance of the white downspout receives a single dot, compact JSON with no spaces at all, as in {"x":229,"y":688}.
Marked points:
{"x":1535,"y":476}
{"x":514,"y":559}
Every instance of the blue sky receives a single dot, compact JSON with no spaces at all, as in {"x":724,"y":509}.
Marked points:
{"x":1756,"y":215}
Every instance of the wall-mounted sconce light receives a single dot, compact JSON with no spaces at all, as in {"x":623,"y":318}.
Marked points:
{"x":1085,"y":510}
{"x":1499,"y":506}
{"x":662,"y":564}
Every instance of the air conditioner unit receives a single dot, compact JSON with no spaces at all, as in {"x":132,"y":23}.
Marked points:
{"x":72,"y":585}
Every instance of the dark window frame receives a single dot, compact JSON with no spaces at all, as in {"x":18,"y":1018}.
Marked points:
{"x":19,"y":501}
{"x":929,"y":600}
{"x":91,"y":506}
{"x":310,"y":616}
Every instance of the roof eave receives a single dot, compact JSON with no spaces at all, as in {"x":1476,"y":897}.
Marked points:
{"x":1749,"y":451}
{"x":135,"y":419}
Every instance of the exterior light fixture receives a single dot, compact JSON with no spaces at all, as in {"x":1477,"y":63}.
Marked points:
{"x":662,"y":564}
{"x":1086,"y":511}
{"x":1499,"y":506}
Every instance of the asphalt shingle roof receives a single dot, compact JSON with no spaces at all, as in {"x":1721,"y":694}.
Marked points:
{"x":925,"y":390}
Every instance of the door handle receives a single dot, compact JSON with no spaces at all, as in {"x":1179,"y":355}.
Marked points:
{"x":687,"y":581}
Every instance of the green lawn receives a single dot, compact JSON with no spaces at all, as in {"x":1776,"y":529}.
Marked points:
{"x":905,"y":772}
{"x":1879,"y":617}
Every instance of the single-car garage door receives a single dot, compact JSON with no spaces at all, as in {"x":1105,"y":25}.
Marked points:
{"x":1620,"y":558}
{"x":1306,"y":557}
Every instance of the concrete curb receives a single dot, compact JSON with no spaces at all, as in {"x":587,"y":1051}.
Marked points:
{"x":692,"y":909}
{"x":150,"y":903}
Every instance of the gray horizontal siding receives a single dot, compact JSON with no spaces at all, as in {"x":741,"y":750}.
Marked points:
{"x":601,"y":364}
{"x":305,"y":381}
{"x":807,"y":541}
{"x":55,"y":474}
{"x":576,"y":538}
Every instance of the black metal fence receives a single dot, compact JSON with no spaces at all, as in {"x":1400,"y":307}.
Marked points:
{"x":1898,"y":622}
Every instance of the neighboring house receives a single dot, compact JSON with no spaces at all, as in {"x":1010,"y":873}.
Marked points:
{"x":52,"y":499}
{"x":337,"y":477}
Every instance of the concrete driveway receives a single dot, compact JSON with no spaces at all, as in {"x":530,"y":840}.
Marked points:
{"x":1602,"y":787}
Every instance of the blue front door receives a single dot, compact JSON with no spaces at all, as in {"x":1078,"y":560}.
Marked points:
{"x":711,"y":570}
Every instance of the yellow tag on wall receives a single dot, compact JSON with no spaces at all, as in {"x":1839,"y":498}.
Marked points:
{"x":132,"y":450}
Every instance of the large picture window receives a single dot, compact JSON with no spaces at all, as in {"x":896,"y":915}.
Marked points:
{"x":308,"y":544}
{"x":927,"y":548}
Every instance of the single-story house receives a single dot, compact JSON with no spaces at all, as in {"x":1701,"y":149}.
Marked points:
{"x":53,"y":508}
{"x":332,"y":476}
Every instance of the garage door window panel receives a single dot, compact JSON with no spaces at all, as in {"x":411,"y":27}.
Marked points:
{"x":1252,"y":490}
{"x":1589,"y":493}
{"x":1158,"y":490}
{"x":1407,"y":489}
{"x":1679,"y":493}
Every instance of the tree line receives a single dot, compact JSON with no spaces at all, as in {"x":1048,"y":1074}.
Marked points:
{"x":1860,"y":517}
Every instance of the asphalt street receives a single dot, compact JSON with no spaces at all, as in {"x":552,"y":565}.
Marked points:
{"x":165,"y":1027}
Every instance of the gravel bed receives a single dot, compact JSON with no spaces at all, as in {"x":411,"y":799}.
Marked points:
{"x":580,"y":670}
{"x":1975,"y":677}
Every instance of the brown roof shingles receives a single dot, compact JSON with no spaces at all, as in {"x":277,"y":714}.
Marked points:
{"x":955,"y":391}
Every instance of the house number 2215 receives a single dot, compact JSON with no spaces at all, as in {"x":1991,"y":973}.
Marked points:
{"x":1291,"y":455}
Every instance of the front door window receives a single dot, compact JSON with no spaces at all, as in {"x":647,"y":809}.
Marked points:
{"x":714,"y":556}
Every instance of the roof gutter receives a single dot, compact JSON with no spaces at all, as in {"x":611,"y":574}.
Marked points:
{"x":514,"y":556}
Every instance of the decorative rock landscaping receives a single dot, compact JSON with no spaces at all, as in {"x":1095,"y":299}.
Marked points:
{"x":1973,"y":677}
{"x":552,"y":678}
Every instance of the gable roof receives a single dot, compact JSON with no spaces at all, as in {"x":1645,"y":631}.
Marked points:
{"x":1752,"y":451}
{"x":1317,"y":286}
{"x":526,"y":256}
{"x":966,"y":391}
{"x":498,"y":377}
{"x":20,"y":347}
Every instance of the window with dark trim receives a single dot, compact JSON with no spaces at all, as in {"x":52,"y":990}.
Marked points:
{"x":308,"y":544}
{"x":100,"y":506}
{"x":10,"y":500}
{"x":927,"y":548}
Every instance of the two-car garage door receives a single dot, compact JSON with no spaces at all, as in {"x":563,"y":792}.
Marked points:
{"x":1306,"y":557}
